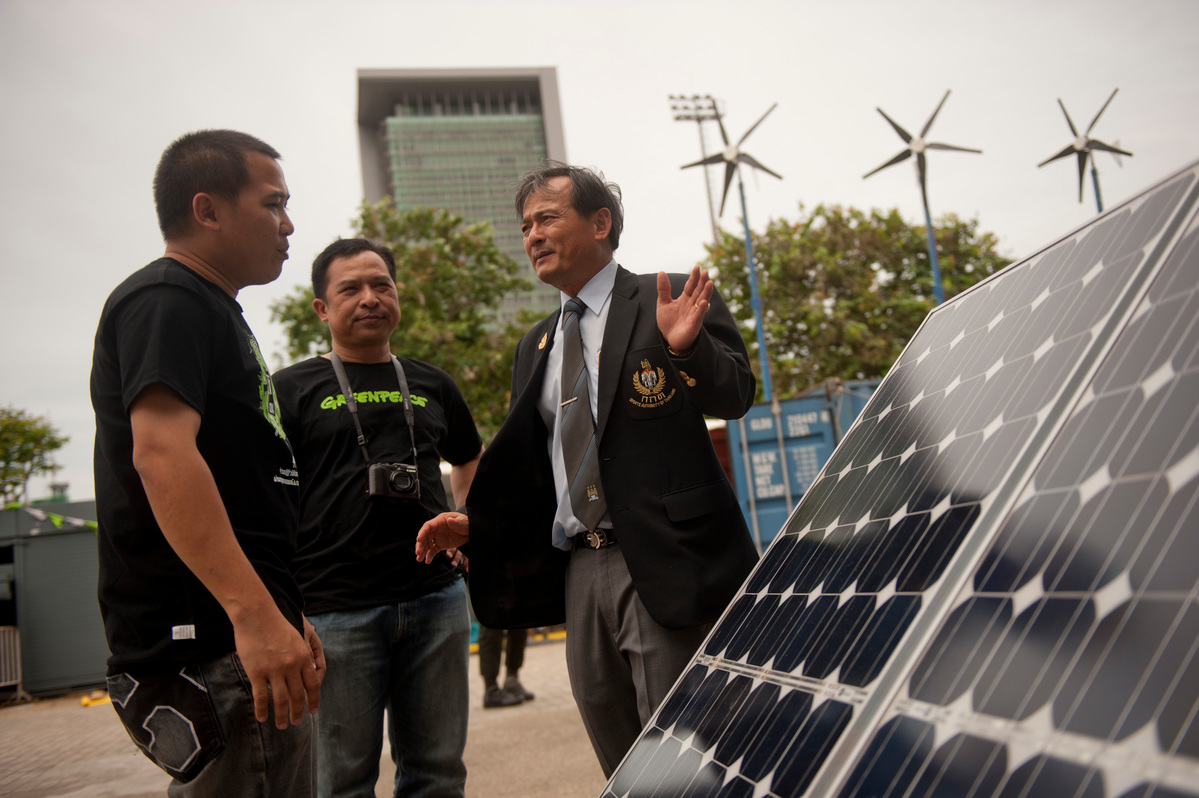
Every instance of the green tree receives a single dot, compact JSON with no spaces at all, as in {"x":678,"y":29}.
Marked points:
{"x":449,"y":276}
{"x":843,"y":290}
{"x":25,"y":444}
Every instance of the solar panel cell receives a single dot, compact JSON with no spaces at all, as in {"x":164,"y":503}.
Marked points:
{"x":769,"y":566}
{"x":964,"y":765}
{"x":781,"y":627}
{"x":1026,"y":541}
{"x":1033,"y":656}
{"x":893,"y":760}
{"x":799,"y":763}
{"x":1129,"y":668}
{"x":1088,"y":439}
{"x":750,"y":719}
{"x":877,"y":642}
{"x":963,"y":646}
{"x":817,"y":618}
{"x":1166,"y":563}
{"x":734,"y":620}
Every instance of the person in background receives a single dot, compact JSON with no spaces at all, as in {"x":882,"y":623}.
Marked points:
{"x":491,"y":644}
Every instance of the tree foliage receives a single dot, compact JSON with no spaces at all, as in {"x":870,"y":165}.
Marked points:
{"x":26,"y":443}
{"x":844,"y":290}
{"x":449,"y":276}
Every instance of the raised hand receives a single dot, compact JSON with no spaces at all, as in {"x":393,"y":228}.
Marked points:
{"x":680,"y":319}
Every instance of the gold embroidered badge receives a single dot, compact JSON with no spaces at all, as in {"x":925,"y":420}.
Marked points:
{"x":687,"y":378}
{"x":541,"y":344}
{"x":650,"y":383}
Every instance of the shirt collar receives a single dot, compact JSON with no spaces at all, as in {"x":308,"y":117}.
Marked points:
{"x":598,"y":291}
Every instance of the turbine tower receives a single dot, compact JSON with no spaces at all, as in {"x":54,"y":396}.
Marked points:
{"x":917,"y":146}
{"x":732,"y":157}
{"x":1083,"y":147}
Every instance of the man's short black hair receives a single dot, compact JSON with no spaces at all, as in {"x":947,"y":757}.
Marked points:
{"x":204,"y":161}
{"x":345,"y":248}
{"x":588,"y":193}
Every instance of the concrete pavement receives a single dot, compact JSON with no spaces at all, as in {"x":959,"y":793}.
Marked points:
{"x":57,"y":748}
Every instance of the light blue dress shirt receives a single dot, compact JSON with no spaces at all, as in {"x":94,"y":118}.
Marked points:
{"x":597,"y":296}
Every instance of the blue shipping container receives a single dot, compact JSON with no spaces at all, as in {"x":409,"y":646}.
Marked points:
{"x":782,"y":457}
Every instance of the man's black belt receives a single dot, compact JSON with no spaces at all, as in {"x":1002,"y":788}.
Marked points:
{"x":599,"y":539}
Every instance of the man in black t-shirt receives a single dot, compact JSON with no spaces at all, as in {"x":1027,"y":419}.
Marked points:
{"x":196,"y":490}
{"x":396,"y":632}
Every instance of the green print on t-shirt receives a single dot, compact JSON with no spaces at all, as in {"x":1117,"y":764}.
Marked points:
{"x":267,"y":398}
{"x":370,"y":397}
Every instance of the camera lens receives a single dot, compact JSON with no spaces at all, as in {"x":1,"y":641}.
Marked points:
{"x":401,"y":481}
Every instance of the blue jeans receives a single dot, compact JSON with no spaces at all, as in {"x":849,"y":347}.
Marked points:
{"x":411,"y":658}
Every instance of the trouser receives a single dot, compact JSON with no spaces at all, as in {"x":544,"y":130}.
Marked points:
{"x":491,"y":642}
{"x":621,"y":662}
{"x":197,"y":723}
{"x":412,"y":659}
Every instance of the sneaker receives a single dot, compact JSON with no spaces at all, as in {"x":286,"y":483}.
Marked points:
{"x":512,"y":685}
{"x":495,"y":697}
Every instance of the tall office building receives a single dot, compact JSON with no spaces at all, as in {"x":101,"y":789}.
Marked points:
{"x":459,"y":139}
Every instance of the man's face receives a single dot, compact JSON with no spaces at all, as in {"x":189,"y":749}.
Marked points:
{"x":254,"y":229}
{"x":566,"y":249}
{"x":361,"y":305}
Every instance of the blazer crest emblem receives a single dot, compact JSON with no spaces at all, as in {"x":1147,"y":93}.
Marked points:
{"x":544,"y":337}
{"x":650,"y":383}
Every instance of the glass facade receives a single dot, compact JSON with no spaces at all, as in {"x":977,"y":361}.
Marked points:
{"x":465,"y":151}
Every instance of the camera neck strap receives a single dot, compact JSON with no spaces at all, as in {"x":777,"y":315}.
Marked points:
{"x":409,"y":415}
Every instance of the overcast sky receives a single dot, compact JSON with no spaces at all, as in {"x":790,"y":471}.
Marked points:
{"x":91,"y":92}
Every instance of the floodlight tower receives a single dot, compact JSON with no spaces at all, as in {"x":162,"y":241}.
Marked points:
{"x":917,"y":146}
{"x":698,"y":109}
{"x":1084,"y":146}
{"x":732,"y":157}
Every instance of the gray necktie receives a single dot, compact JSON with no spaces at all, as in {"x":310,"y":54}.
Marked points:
{"x":579,"y":445}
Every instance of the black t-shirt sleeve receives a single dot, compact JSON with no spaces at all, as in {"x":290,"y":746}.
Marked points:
{"x":463,"y":442}
{"x":162,"y":336}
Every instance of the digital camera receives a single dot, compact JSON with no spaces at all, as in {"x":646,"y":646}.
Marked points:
{"x":392,"y":481}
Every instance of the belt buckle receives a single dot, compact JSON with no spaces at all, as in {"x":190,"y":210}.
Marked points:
{"x":595,"y":539}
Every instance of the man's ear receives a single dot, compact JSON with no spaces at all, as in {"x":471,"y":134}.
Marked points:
{"x":204,"y":211}
{"x":321,"y":309}
{"x":603,"y":223}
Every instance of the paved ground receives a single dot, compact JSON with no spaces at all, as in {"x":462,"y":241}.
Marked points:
{"x":57,"y":748}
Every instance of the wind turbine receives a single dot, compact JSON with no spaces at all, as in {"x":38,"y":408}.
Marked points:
{"x":733,"y":157}
{"x":1083,"y":147}
{"x":917,"y":146}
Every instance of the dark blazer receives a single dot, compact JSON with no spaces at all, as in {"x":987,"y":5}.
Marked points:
{"x":674,"y":514}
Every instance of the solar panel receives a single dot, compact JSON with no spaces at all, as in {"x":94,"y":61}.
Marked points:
{"x":992,"y":589}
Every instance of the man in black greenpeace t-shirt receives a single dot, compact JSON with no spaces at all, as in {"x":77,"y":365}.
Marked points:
{"x":196,"y":490}
{"x":396,"y":633}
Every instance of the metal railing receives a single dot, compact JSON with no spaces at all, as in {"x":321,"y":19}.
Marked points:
{"x":10,"y":661}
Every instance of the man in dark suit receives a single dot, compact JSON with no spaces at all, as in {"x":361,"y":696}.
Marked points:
{"x":629,"y":530}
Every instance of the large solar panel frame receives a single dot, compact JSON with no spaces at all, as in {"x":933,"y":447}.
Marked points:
{"x":807,"y":685}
